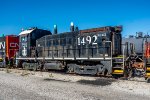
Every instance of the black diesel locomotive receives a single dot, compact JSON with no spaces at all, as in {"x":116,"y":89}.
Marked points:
{"x":90,"y":51}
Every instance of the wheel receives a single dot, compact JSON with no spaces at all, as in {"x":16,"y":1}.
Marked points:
{"x":148,"y":80}
{"x":105,"y":72}
{"x":69,"y":68}
{"x":35,"y":68}
{"x":25,"y":65}
{"x":115,"y":76}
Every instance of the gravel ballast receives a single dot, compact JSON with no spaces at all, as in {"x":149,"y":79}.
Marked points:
{"x":60,"y":86}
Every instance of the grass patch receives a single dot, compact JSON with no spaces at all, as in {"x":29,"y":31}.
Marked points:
{"x":51,"y":75}
{"x":7,"y":69}
{"x":1,"y":69}
{"x":24,"y":73}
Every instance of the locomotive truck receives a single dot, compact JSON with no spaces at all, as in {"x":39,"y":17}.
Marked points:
{"x":90,"y":51}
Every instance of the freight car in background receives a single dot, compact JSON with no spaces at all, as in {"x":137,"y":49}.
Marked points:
{"x":90,"y":51}
{"x":135,"y":49}
{"x":9,"y":45}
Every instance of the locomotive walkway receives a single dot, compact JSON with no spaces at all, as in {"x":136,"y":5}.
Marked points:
{"x":22,"y":85}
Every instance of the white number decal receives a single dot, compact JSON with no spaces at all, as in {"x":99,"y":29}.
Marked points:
{"x":83,"y":41}
{"x":88,"y":38}
{"x":78,"y":41}
{"x":91,"y":40}
{"x":95,"y":38}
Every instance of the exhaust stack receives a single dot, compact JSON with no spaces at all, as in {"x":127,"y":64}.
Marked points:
{"x":71,"y":27}
{"x":55,"y":29}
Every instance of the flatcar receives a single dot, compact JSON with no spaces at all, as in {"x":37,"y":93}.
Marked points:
{"x":91,"y":51}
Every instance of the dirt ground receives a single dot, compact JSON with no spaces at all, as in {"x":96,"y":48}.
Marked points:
{"x":29,"y":85}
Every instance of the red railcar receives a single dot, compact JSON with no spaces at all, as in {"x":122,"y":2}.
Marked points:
{"x":9,"y":45}
{"x":147,"y":50}
{"x":12,"y":46}
{"x":147,"y":59}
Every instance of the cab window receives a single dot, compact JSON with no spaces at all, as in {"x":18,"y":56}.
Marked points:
{"x":23,"y":39}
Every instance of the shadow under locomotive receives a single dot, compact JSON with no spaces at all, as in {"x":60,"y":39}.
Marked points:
{"x":97,"y":82}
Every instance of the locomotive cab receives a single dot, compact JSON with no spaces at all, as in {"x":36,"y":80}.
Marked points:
{"x":27,"y":51}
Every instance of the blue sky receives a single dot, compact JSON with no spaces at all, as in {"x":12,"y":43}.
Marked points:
{"x":134,"y":15}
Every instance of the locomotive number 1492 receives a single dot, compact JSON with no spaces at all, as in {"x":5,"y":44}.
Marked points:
{"x":88,"y":39}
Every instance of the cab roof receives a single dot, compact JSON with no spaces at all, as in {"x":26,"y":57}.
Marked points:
{"x":26,"y":32}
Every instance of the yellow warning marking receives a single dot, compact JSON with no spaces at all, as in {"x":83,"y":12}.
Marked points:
{"x":147,"y":74}
{"x":118,"y":71}
{"x":148,"y":68}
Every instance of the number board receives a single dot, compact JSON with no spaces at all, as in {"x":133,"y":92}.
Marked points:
{"x":89,"y":38}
